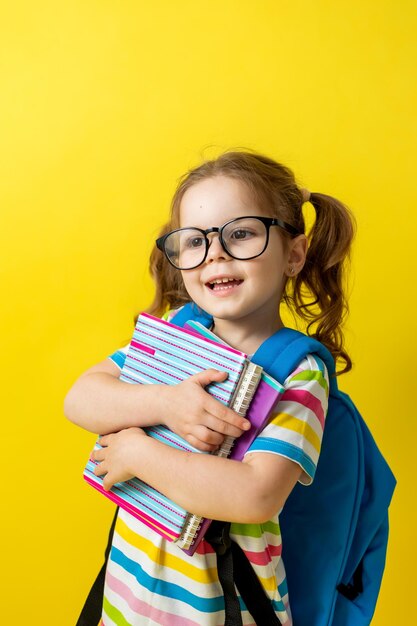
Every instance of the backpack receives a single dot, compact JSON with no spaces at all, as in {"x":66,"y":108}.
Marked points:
{"x":335,"y":531}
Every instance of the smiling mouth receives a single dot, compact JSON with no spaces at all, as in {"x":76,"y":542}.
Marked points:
{"x":224,"y":284}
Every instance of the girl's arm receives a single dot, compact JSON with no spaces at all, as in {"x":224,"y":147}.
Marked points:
{"x":101,"y":403}
{"x":252,"y":491}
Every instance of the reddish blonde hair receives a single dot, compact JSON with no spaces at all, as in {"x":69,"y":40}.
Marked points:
{"x":316,"y":294}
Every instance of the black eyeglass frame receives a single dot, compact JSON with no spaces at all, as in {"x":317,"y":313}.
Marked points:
{"x":267,"y":222}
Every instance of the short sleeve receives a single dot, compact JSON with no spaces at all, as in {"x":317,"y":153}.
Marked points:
{"x":296,"y":428}
{"x":119,"y":356}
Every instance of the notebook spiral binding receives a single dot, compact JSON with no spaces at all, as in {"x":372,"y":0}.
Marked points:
{"x":240,"y":403}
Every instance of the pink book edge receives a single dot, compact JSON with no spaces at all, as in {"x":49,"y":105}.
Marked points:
{"x":136,"y":513}
{"x":193,"y":333}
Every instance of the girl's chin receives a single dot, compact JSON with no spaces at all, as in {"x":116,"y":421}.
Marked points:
{"x":222,"y":308}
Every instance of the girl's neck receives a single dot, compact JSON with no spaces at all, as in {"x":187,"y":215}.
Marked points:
{"x":244,"y":336}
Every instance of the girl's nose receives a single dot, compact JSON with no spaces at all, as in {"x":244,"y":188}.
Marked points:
{"x":216,"y":250}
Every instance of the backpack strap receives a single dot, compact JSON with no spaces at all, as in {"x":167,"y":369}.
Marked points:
{"x":251,"y":590}
{"x":92,"y":609}
{"x":191,"y":311}
{"x":218,"y":536}
{"x":233,"y":567}
{"x":280,"y":354}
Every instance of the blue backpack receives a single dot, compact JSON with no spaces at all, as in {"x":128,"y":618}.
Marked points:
{"x":335,"y":531}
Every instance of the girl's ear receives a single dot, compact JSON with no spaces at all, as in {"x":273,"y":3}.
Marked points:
{"x":297,"y":252}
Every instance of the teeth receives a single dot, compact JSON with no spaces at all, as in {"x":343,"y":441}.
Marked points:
{"x":222,"y":280}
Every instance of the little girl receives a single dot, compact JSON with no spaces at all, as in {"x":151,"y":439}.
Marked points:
{"x":235,"y":245}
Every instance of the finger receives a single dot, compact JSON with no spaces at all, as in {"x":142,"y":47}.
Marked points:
{"x":221,"y":427}
{"x":98,"y":454}
{"x":210,"y":376}
{"x":200,"y":445}
{"x":207,"y":435}
{"x":100,"y":469}
{"x":107,"y":483}
{"x":228,"y":421}
{"x":104,"y":440}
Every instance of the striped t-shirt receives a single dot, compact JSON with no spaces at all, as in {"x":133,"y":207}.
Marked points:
{"x":150,"y":581}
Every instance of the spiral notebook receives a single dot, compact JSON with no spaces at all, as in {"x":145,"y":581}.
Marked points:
{"x":162,"y":353}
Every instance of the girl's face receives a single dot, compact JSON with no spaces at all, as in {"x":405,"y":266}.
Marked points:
{"x":254,"y":292}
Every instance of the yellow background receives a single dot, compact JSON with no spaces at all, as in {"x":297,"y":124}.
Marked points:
{"x":103,"y":106}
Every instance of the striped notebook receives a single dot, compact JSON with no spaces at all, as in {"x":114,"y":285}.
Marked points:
{"x":162,"y":353}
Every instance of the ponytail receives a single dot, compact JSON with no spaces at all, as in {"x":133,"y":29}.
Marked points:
{"x":323,"y":276}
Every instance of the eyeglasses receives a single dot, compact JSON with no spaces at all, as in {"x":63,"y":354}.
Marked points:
{"x":243,"y":238}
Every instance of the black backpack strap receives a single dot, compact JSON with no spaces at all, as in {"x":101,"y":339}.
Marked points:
{"x":353,"y":589}
{"x":92,"y":609}
{"x":219,"y":538}
{"x":234,"y":568}
{"x":251,"y":590}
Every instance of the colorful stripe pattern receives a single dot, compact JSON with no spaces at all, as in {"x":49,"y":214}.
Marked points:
{"x":152,"y":582}
{"x":161,"y":353}
{"x":296,"y":429}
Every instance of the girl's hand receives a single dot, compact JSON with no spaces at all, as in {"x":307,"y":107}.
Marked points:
{"x":116,"y":457}
{"x":195,"y":415}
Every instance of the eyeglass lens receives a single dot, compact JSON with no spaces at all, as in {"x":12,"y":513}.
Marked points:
{"x":243,"y":238}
